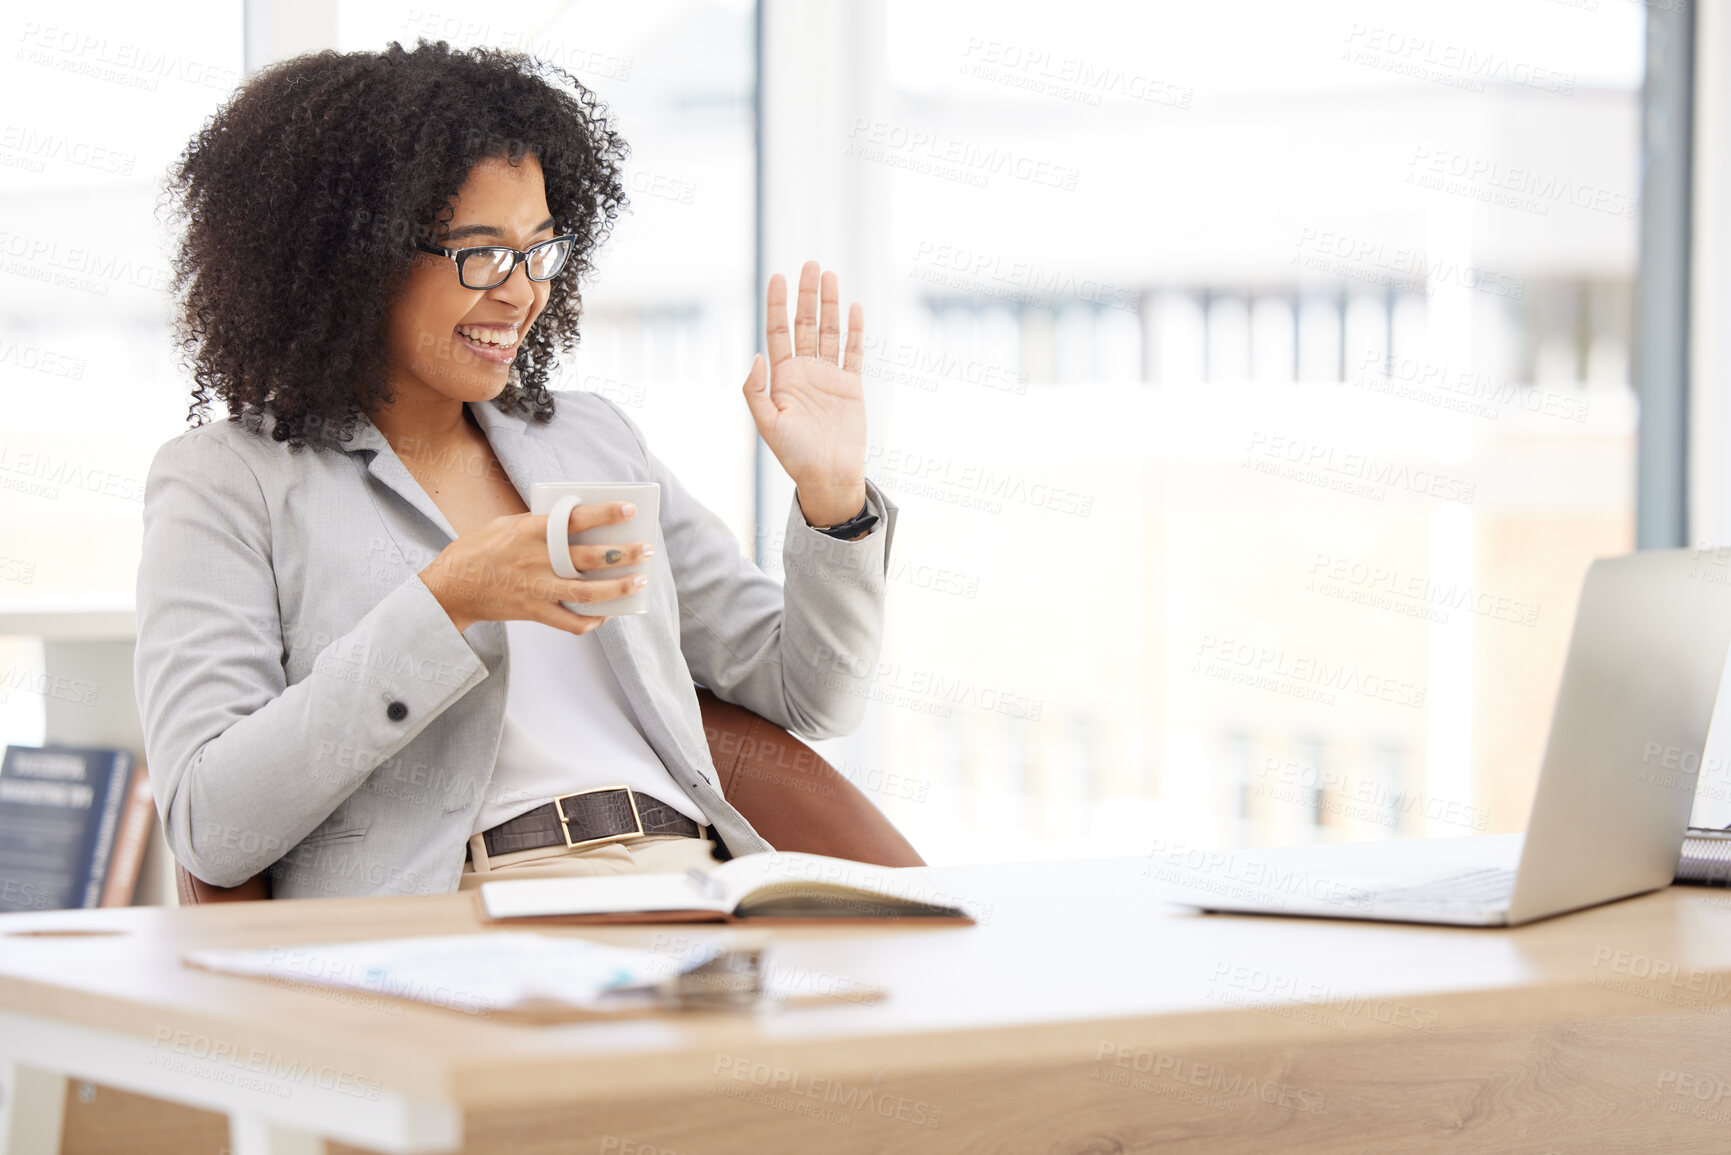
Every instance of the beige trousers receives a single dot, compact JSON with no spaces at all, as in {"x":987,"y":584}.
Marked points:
{"x":653,"y":853}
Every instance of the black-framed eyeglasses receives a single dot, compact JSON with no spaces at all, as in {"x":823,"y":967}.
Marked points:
{"x":485,"y":266}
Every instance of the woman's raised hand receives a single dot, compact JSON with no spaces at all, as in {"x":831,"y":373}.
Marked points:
{"x":810,"y":409}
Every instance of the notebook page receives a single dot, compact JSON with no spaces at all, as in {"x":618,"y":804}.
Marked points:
{"x":738,"y":877}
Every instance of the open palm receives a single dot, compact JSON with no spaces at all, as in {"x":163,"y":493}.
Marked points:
{"x":809,"y":409}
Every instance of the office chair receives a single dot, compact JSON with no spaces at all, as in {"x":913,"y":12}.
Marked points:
{"x":789,"y":794}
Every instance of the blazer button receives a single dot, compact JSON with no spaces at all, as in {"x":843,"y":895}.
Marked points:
{"x":396,"y":711}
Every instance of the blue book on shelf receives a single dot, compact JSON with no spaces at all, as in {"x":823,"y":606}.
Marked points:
{"x":60,"y":810}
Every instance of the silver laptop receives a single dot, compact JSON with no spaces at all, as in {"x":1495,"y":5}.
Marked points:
{"x":1631,"y":720}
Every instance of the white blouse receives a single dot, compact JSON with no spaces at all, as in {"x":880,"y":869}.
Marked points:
{"x":568,"y":726}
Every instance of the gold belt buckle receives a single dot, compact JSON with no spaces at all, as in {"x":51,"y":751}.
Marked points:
{"x":565,"y":826}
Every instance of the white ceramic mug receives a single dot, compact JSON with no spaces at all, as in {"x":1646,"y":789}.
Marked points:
{"x":556,"y":499}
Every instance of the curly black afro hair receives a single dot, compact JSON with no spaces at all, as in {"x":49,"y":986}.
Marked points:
{"x":300,"y":202}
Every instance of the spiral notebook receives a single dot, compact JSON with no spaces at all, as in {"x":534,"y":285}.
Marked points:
{"x":1706,"y":857}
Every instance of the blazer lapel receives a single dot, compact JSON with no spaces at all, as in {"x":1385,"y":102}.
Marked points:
{"x":524,"y":461}
{"x":381,"y":461}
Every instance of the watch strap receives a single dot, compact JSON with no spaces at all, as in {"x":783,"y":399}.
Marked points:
{"x":852,"y":527}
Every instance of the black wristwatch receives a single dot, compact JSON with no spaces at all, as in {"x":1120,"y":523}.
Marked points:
{"x":852,"y":527}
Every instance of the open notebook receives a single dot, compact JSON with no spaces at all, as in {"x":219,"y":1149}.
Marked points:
{"x":772,"y":887}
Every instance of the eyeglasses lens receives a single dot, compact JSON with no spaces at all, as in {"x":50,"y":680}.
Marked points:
{"x":484,"y":268}
{"x":545,"y":262}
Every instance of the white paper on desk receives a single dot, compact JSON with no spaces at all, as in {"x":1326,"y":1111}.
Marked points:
{"x":465,"y":972}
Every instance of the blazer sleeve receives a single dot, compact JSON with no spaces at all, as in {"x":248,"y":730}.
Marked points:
{"x":242,"y":764}
{"x":800,"y":652}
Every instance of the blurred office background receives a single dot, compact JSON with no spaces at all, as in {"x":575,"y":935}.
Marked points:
{"x":1254,"y":380}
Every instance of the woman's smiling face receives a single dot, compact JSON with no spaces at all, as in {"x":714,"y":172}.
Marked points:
{"x":445,"y":339}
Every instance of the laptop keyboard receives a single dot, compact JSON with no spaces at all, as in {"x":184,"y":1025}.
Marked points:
{"x":1488,"y":887}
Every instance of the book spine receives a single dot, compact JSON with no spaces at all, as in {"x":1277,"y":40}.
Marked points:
{"x":119,"y":772}
{"x":129,"y":842}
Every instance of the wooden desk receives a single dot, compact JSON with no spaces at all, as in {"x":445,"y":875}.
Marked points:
{"x":1082,"y":1015}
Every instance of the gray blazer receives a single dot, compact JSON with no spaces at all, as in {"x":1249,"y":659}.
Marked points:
{"x":308,"y":706}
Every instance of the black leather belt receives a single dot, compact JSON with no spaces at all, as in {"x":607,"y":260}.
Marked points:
{"x":589,"y":818}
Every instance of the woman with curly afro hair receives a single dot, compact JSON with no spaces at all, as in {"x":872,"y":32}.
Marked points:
{"x":357,"y":668}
